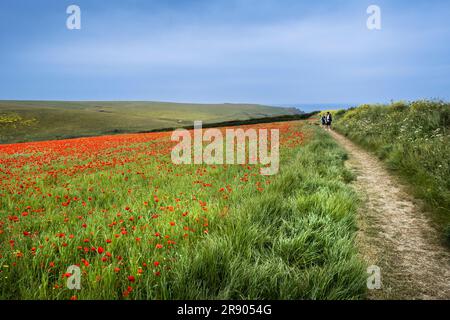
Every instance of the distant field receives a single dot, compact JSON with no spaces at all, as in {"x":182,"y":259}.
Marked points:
{"x":22,"y":121}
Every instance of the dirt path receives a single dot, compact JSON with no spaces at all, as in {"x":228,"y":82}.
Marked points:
{"x":395,"y":234}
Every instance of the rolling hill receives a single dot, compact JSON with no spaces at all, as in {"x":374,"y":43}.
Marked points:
{"x":22,"y":121}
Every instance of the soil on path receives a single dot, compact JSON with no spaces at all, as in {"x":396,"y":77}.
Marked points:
{"x":395,"y":234}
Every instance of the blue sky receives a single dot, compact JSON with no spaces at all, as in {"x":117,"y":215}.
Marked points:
{"x":262,"y":51}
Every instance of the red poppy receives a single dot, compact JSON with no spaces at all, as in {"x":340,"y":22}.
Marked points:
{"x":100,"y":250}
{"x":131,"y":278}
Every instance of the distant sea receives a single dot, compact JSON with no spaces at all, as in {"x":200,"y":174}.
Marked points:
{"x":308,"y":107}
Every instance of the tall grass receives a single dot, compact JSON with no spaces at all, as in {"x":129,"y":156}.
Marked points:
{"x":210,"y":233}
{"x":413,"y":139}
{"x":295,"y":241}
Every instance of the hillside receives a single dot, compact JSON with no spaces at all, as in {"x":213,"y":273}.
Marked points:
{"x":22,"y":121}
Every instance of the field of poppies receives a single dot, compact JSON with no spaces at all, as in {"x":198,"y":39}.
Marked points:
{"x":140,"y":227}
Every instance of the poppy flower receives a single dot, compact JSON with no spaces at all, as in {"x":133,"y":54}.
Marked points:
{"x":131,"y":278}
{"x":100,"y":250}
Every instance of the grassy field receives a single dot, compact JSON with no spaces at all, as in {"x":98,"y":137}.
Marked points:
{"x":142,"y":228}
{"x":22,"y":121}
{"x":414,"y":140}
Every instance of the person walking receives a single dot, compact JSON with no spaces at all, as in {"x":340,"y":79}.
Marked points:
{"x":329,"y":120}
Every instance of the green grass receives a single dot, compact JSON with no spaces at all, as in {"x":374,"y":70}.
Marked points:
{"x":414,"y":140}
{"x":292,"y":239}
{"x":295,"y":241}
{"x":22,"y":121}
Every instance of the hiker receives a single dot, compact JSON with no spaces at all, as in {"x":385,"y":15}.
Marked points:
{"x":329,"y":119}
{"x":324,"y":121}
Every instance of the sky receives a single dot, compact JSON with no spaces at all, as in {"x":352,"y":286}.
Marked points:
{"x":255,"y":51}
